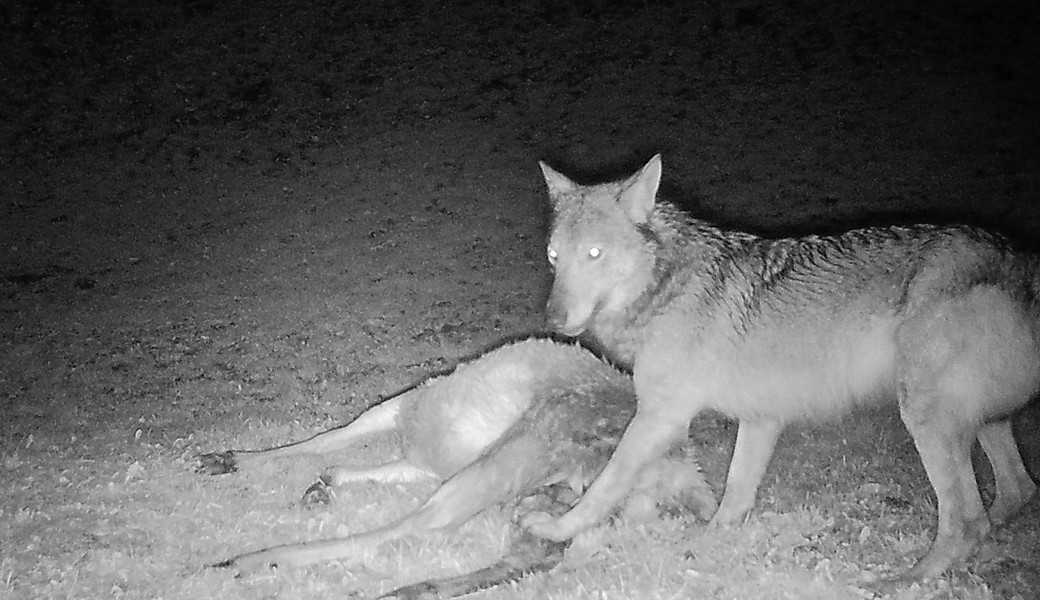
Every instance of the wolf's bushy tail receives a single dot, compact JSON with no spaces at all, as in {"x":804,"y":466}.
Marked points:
{"x":527,"y":554}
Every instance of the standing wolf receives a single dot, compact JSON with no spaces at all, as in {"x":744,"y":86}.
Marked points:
{"x":945,"y":320}
{"x":530,"y":422}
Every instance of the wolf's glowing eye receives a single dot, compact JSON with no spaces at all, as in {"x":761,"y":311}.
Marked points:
{"x":551,"y":253}
{"x":595,"y":252}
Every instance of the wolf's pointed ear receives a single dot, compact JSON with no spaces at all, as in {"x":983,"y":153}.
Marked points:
{"x":640,"y":191}
{"x":557,"y":182}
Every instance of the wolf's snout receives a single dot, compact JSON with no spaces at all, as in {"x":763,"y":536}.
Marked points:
{"x":556,"y":314}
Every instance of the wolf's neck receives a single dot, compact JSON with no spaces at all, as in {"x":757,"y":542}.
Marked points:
{"x":679,"y":239}
{"x":688,"y":253}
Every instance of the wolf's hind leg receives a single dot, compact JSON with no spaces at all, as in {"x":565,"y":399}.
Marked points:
{"x":353,"y":547}
{"x":434,"y":514}
{"x":392,"y":472}
{"x":963,"y":359}
{"x":1014,"y":485}
{"x":323,"y":491}
{"x":754,"y":447}
{"x":379,"y":418}
{"x":475,"y":488}
{"x":398,"y":471}
{"x":944,"y":442}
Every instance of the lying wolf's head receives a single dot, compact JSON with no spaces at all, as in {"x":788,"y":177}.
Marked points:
{"x":598,"y":252}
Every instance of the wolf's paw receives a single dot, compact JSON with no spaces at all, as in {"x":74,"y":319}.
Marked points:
{"x":727,"y":516}
{"x":227,"y":564}
{"x":321,"y":492}
{"x":216,"y":463}
{"x":544,"y":526}
{"x":232,"y":564}
{"x":224,"y":564}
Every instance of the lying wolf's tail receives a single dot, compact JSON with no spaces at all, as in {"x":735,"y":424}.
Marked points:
{"x":527,"y":555}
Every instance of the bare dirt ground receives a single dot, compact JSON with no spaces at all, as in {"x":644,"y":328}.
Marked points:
{"x":229,"y":223}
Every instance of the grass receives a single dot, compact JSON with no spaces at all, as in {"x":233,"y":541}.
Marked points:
{"x":85,"y":521}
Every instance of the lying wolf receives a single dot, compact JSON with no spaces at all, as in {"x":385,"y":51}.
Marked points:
{"x":943,"y":320}
{"x":530,"y":423}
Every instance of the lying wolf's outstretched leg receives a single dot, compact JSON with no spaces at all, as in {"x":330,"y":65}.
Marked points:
{"x":379,"y":418}
{"x":392,"y":472}
{"x":293,"y":555}
{"x":438,"y":512}
{"x":493,"y":479}
{"x":398,"y":471}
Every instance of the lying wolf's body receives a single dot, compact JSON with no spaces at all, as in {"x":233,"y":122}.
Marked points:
{"x":531,"y":422}
{"x":944,"y":320}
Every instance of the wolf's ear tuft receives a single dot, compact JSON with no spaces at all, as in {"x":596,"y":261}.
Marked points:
{"x":639,"y":192}
{"x":557,"y":182}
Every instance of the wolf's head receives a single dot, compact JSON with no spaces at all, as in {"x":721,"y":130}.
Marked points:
{"x":597,"y":246}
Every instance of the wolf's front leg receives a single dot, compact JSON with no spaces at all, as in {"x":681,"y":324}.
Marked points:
{"x":755,"y":443}
{"x":648,"y":437}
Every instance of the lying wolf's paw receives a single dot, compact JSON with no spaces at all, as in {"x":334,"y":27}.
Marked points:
{"x":231,"y":564}
{"x":320,"y":492}
{"x":247,"y":564}
{"x":216,"y":463}
{"x":228,"y":563}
